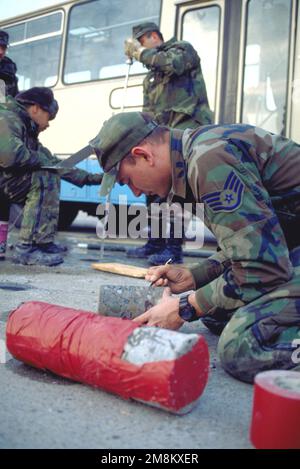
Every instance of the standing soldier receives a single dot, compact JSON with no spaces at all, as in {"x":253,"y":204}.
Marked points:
{"x":23,"y":180}
{"x":8,"y":68}
{"x":175,"y":94}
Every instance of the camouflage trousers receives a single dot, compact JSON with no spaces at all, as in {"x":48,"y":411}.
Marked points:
{"x":39,"y":193}
{"x":264,"y":334}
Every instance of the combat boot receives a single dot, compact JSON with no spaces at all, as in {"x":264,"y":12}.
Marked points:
{"x":153,"y":246}
{"x":28,"y":254}
{"x":173,"y":251}
{"x":52,"y":248}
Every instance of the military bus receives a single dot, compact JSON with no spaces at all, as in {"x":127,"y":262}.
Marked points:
{"x":250,"y":58}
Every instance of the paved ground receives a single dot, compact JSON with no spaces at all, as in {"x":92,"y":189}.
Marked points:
{"x":40,"y":410}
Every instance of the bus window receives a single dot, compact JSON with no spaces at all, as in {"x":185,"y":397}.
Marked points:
{"x":266,"y":64}
{"x":35,"y":48}
{"x":200,"y":27}
{"x":96,"y":35}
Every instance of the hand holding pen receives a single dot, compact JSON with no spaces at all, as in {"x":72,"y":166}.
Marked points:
{"x":178,"y":278}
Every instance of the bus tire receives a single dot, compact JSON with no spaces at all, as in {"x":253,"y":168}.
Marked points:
{"x":67,"y":214}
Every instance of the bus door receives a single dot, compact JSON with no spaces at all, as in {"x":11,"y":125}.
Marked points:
{"x":249,"y":54}
{"x":267,"y":43}
{"x":201,"y":24}
{"x":295,"y":85}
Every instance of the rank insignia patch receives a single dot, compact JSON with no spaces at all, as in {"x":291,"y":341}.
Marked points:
{"x":228,"y":199}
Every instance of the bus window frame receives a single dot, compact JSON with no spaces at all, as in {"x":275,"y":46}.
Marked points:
{"x":290,"y":61}
{"x":43,"y":36}
{"x":64,"y":58}
{"x":181,"y":10}
{"x":294,"y":35}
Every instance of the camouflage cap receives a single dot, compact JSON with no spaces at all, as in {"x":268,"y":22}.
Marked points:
{"x":143,"y":28}
{"x":115,"y":140}
{"x":4,"y":37}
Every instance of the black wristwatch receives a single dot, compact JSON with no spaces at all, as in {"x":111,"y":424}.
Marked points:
{"x":187,"y":312}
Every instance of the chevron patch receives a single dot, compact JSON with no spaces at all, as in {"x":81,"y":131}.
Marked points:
{"x":229,"y":199}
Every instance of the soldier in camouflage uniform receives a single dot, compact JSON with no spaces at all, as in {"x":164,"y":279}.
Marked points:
{"x":22,"y":179}
{"x":175,"y":94}
{"x":248,"y":181}
{"x":8,"y":68}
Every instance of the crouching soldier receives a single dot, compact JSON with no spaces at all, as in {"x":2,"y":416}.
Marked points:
{"x":249,"y":182}
{"x":22,"y":179}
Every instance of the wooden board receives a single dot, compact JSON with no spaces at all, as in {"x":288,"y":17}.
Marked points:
{"x":121,"y":269}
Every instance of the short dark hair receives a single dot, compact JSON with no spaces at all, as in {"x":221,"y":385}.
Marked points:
{"x":158,"y":135}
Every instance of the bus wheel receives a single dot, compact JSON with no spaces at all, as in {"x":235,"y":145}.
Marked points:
{"x":67,"y":214}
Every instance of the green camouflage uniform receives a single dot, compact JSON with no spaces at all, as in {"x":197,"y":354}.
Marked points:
{"x":8,"y":70}
{"x":22,"y":181}
{"x":174,"y":88}
{"x":247,"y":179}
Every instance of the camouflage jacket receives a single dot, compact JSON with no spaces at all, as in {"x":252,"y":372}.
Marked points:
{"x":239,"y":173}
{"x":8,"y":70}
{"x":20,"y":150}
{"x":174,"y":86}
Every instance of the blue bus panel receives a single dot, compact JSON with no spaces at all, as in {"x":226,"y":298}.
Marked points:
{"x":90,"y":194}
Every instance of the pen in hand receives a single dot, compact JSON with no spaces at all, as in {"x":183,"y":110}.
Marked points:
{"x":169,"y":261}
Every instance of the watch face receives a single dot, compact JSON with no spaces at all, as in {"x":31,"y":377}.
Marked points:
{"x":187,"y":313}
{"x":186,"y":310}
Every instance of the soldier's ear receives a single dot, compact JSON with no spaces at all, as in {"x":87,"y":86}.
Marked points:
{"x":142,"y":152}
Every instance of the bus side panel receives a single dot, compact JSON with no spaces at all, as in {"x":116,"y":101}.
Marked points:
{"x":90,"y":194}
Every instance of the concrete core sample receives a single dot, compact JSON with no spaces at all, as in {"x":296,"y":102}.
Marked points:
{"x":152,"y":344}
{"x":127,"y":301}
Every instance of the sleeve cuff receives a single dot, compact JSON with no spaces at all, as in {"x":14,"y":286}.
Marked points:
{"x":209,"y":269}
{"x":140,"y":53}
{"x":203,"y":299}
{"x":211,"y":296}
{"x":146,"y":56}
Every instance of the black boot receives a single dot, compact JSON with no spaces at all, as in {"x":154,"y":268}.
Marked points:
{"x":153,"y":246}
{"x":172,"y":250}
{"x":28,"y":254}
{"x":52,"y":248}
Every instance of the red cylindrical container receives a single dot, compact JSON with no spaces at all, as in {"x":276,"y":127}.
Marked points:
{"x":89,"y":348}
{"x":276,"y":410}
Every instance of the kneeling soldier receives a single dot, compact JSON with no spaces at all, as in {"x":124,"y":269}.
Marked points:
{"x":249,"y":182}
